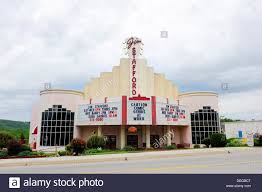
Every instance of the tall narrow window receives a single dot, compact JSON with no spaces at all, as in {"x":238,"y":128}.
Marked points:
{"x":204,"y":122}
{"x":57,"y":126}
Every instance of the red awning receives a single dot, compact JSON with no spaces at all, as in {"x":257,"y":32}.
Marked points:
{"x":35,"y":131}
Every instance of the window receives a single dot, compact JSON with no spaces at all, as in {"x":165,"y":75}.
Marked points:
{"x":57,"y":126}
{"x":204,"y":122}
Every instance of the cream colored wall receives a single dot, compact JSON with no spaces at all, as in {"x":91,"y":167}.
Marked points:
{"x":232,"y":128}
{"x":117,"y":82}
{"x":67,"y":98}
{"x":196,"y":100}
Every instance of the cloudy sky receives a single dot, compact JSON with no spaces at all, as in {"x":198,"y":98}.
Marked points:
{"x":67,"y":42}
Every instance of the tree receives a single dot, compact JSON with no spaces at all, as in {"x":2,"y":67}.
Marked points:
{"x":225,"y":119}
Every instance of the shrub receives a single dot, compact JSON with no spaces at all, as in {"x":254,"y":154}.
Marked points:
{"x":68,"y":148}
{"x":4,"y":139}
{"x":180,"y":146}
{"x":235,"y":143}
{"x":206,"y":142}
{"x":25,"y":148}
{"x":96,"y":142}
{"x":230,"y":139}
{"x":170,"y":147}
{"x":25,"y":153}
{"x":3,"y":154}
{"x":257,"y":142}
{"x":62,"y":153}
{"x":196,"y":146}
{"x":13,"y":147}
{"x":78,"y":145}
{"x":22,"y":136}
{"x":218,"y":140}
{"x":129,"y":148}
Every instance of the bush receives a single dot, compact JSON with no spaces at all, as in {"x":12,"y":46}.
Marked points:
{"x":218,"y":140}
{"x":25,"y":148}
{"x":196,"y":146}
{"x":68,"y":148}
{"x":25,"y":154}
{"x":3,"y":154}
{"x":4,"y":139}
{"x":235,"y":143}
{"x":13,"y":147}
{"x":170,"y":147}
{"x":129,"y":148}
{"x":257,"y":142}
{"x":230,"y":139}
{"x":22,"y":136}
{"x":206,"y":142}
{"x":62,"y":153}
{"x":95,"y":142}
{"x":78,"y":145}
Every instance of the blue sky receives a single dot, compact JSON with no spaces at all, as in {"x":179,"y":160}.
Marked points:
{"x":68,"y":42}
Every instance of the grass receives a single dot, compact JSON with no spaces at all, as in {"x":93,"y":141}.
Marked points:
{"x":106,"y":151}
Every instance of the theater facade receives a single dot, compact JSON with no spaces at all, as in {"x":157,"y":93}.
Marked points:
{"x":129,"y":106}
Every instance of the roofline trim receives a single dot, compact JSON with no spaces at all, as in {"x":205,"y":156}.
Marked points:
{"x":66,"y":91}
{"x":193,"y":93}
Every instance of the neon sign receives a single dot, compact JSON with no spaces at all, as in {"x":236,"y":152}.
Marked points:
{"x":134,"y":47}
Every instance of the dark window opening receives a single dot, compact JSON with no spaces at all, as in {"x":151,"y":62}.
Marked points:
{"x":57,"y":126}
{"x":110,"y":142}
{"x":154,"y":139}
{"x":204,"y":122}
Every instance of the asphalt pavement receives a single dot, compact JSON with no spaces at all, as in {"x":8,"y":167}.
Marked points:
{"x":229,"y":161}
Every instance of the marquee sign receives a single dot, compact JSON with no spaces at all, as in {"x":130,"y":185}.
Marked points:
{"x":170,"y":114}
{"x":134,"y":48}
{"x":139,"y":112}
{"x":99,"y":114}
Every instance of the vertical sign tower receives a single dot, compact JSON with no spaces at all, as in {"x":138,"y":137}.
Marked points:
{"x":133,"y":46}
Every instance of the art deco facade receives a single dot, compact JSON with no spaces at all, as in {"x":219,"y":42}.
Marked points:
{"x":131,"y":105}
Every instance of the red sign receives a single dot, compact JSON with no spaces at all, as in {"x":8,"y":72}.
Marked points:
{"x":133,"y":46}
{"x":133,"y":64}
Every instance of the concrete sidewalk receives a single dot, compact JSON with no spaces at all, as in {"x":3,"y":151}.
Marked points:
{"x":121,"y":157}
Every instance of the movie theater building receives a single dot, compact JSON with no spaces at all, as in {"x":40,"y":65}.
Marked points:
{"x":131,"y":105}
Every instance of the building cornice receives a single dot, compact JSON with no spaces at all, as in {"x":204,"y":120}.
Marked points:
{"x":64,"y":91}
{"x":198,"y":93}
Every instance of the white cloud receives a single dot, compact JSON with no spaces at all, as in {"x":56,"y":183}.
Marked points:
{"x":67,"y":42}
{"x":242,"y":105}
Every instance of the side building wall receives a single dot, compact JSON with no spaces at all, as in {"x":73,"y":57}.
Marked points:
{"x":203,"y":112}
{"x":232,"y":129}
{"x":52,"y":99}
